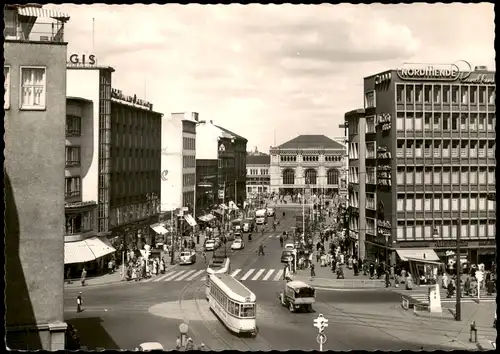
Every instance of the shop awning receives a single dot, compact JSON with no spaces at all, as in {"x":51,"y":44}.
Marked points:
{"x":418,"y":254}
{"x":206,"y":218}
{"x":159,"y":228}
{"x":223,"y":206}
{"x":233,"y":206}
{"x":190,"y":220}
{"x":86,"y":250}
{"x":30,"y":11}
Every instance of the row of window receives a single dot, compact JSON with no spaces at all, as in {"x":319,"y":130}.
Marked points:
{"x":188,"y":143}
{"x":445,"y":202}
{"x":463,"y":148}
{"x":79,"y":222}
{"x":469,"y":229}
{"x":147,"y":140}
{"x":446,"y":175}
{"x":72,"y":186}
{"x":310,"y":158}
{"x":33,"y":87}
{"x":128,"y":213}
{"x":311,"y":176}
{"x":234,"y":308}
{"x":258,"y":189}
{"x":73,"y":155}
{"x":437,"y":94}
{"x":126,"y":184}
{"x":188,"y":161}
{"x":255,"y":171}
{"x":463,"y":122}
{"x":136,"y":163}
{"x":188,"y":179}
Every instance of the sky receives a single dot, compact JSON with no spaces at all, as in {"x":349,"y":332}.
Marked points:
{"x":272,"y":72}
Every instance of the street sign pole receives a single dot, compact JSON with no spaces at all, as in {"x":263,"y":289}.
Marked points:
{"x":320,"y":323}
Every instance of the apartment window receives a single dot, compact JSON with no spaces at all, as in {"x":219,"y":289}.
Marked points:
{"x":491,"y":229}
{"x":418,"y":93}
{"x":409,"y":204}
{"x":482,"y":203}
{"x":481,"y":120}
{"x":473,"y":122}
{"x":371,"y":150}
{"x":437,"y":149}
{"x":446,"y":149}
{"x":455,"y":175}
{"x":454,"y":203}
{"x":427,"y":93}
{"x":73,"y":126}
{"x":410,"y":232}
{"x":465,"y":94}
{"x":482,"y":149}
{"x":464,"y":202}
{"x":463,"y":123}
{"x":6,"y":87}
{"x":446,"y":94}
{"x":370,"y":124}
{"x":33,"y":87}
{"x":427,"y":121}
{"x":454,"y":149}
{"x":409,"y":148}
{"x":418,"y":121}
{"x":370,"y":99}
{"x":464,"y":149}
{"x":482,"y":228}
{"x":454,"y":122}
{"x":400,"y":149}
{"x":473,"y":175}
{"x":399,"y":93}
{"x":428,"y":202}
{"x":370,"y":201}
{"x":418,"y":148}
{"x":473,"y":149}
{"x":418,"y":230}
{"x":437,"y":94}
{"x":400,"y":231}
{"x":454,"y":231}
{"x":428,"y":175}
{"x":401,"y":203}
{"x":446,"y":203}
{"x":419,"y":202}
{"x":464,"y":176}
{"x":400,"y":121}
{"x":435,"y":124}
{"x":454,"y":94}
{"x":437,"y":175}
{"x":409,"y":121}
{"x":446,"y":121}
{"x":491,"y":176}
{"x":473,"y":229}
{"x":436,"y":202}
{"x":419,"y":176}
{"x":409,"y":176}
{"x":491,"y":149}
{"x":446,"y":175}
{"x":473,"y":94}
{"x":491,"y":94}
{"x":72,"y":186}
{"x":473,"y":202}
{"x":482,"y":95}
{"x":482,"y":175}
{"x":371,"y":175}
{"x":409,"y":94}
{"x":465,"y":230}
{"x":72,"y":155}
{"x":427,"y":149}
{"x":400,"y":176}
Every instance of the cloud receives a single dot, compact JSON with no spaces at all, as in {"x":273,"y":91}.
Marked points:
{"x":255,"y":69}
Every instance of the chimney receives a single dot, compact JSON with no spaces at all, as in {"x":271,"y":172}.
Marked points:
{"x":195,"y":116}
{"x":211,"y":121}
{"x":481,"y":68}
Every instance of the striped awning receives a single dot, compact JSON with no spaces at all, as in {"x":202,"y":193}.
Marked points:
{"x":100,"y":246}
{"x":30,"y":11}
{"x":86,"y":250}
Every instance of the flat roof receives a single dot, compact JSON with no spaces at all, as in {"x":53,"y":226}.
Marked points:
{"x":72,"y":98}
{"x":235,"y":285}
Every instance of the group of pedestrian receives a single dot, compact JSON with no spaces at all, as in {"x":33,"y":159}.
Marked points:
{"x":142,"y":268}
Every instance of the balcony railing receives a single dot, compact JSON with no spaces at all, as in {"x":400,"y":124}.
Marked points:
{"x":41,"y":32}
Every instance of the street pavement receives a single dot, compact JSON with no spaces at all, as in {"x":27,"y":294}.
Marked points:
{"x":121,"y":316}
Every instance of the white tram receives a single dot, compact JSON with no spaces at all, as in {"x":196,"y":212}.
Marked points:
{"x":233,"y":303}
{"x":217,"y":266}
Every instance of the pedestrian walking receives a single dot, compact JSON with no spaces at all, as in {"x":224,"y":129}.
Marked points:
{"x":178,"y":343}
{"x":261,"y":250}
{"x":313,"y":273}
{"x":79,"y":303}
{"x":387,"y":279}
{"x":83,"y":277}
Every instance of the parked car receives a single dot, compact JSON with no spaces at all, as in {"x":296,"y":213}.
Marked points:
{"x":286,"y":256}
{"x":149,"y":346}
{"x":209,"y":245}
{"x":238,"y":244}
{"x":187,"y":257}
{"x":289,"y":246}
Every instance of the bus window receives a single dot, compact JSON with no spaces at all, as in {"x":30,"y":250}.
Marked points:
{"x":248,"y":310}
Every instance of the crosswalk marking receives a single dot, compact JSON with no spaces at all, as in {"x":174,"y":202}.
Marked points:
{"x":258,"y":274}
{"x":247,"y":274}
{"x":233,"y":274}
{"x":163,"y":277}
{"x":195,"y":275}
{"x":268,"y":274}
{"x":279,"y":275}
{"x":185,"y":275}
{"x":175,"y":275}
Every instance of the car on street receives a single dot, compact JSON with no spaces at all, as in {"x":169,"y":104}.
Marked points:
{"x":270,"y":212}
{"x":149,"y":346}
{"x":209,"y":245}
{"x":187,"y":257}
{"x":238,"y":244}
{"x":286,"y":256}
{"x":289,"y":246}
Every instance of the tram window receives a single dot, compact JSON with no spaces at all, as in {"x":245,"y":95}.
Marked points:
{"x":237,"y":310}
{"x":231,"y":307}
{"x":248,"y":311}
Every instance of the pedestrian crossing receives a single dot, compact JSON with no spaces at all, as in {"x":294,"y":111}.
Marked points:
{"x":421,"y":295}
{"x":254,"y":274}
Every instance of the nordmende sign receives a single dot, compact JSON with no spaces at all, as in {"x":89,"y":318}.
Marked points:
{"x":460,"y":70}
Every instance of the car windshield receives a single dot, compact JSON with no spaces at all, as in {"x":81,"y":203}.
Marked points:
{"x":184,"y":254}
{"x":286,"y":253}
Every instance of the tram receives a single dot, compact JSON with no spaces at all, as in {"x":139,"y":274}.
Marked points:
{"x":217,"y":266}
{"x":233,"y":303}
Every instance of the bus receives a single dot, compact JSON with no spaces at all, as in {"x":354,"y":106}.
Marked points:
{"x":233,"y":303}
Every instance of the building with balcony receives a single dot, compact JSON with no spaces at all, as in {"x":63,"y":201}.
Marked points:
{"x":120,"y":146}
{"x":258,"y":177}
{"x":313,"y":161}
{"x":35,"y":110}
{"x":178,"y":164}
{"x":220,"y":167}
{"x":426,"y":144}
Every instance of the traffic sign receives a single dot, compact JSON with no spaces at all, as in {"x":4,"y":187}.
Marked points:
{"x":321,"y":338}
{"x":320,"y":323}
{"x":183,"y":328}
